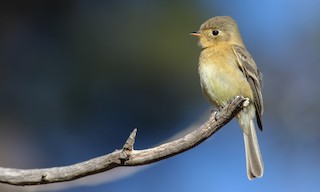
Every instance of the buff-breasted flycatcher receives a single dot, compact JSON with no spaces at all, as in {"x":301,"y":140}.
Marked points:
{"x":226,"y":70}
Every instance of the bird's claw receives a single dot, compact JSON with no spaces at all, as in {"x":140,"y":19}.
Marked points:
{"x":216,"y":114}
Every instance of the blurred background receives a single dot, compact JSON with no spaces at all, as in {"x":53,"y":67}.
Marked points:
{"x":77,"y":76}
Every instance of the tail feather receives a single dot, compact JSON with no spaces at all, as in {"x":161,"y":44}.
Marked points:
{"x":253,"y":156}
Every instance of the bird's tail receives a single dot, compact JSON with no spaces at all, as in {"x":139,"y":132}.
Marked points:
{"x":253,"y":155}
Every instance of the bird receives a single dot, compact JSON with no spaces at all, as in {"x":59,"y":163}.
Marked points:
{"x":226,"y":70}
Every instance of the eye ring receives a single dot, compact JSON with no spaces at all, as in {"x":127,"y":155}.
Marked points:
{"x":215,"y":32}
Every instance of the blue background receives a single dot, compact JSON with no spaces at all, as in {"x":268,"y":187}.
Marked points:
{"x":77,"y":76}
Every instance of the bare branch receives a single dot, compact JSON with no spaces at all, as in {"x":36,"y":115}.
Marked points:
{"x":125,"y":157}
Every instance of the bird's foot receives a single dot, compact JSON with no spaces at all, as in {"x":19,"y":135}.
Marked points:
{"x":216,"y":113}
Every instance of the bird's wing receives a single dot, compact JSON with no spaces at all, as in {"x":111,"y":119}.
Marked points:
{"x":254,"y":77}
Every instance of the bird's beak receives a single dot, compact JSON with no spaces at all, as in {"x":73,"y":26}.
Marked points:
{"x":196,"y":34}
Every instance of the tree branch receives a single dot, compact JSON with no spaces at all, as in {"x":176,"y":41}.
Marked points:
{"x":127,"y":156}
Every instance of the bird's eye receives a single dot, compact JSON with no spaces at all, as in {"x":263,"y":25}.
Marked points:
{"x":215,"y":32}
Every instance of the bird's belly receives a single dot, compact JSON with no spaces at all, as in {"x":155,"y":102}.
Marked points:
{"x":222,"y":83}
